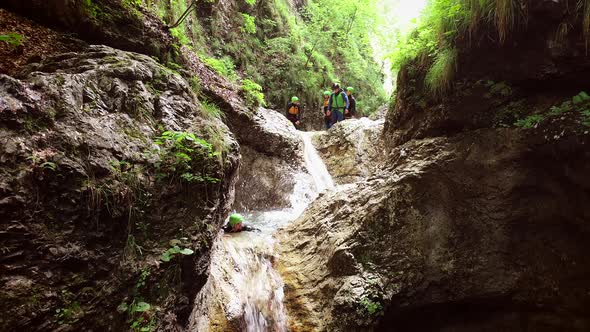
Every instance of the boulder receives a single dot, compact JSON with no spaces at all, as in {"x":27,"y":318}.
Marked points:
{"x":478,"y":232}
{"x":352,"y":149}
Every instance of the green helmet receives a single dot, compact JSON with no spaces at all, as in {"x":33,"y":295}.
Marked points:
{"x":327,"y":93}
{"x":351,"y":89}
{"x":235,"y":219}
{"x":294,"y":99}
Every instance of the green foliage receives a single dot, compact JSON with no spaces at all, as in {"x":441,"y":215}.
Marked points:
{"x":93,"y":9}
{"x":39,"y":162}
{"x":211,"y":110}
{"x":580,"y":98}
{"x":173,"y":66}
{"x":141,"y":317}
{"x":224,"y":66}
{"x":252,"y":92}
{"x":530,"y":121}
{"x":579,"y":103}
{"x":287,"y":55}
{"x":441,"y":74}
{"x":173,"y":251}
{"x":185,"y":158}
{"x":71,"y":309}
{"x":129,"y":3}
{"x":179,"y":33}
{"x":251,"y":2}
{"x":447,"y":22}
{"x":195,"y":83}
{"x":370,"y":307}
{"x":249,"y":24}
{"x":13,"y":39}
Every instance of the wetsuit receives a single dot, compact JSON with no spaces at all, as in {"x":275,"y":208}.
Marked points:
{"x":327,"y":118}
{"x":245,"y":228}
{"x":351,"y":108}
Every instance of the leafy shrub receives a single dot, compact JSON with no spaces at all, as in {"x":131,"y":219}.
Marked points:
{"x":178,"y":32}
{"x":580,"y":103}
{"x":252,"y":92}
{"x":224,"y":66}
{"x":445,"y":22}
{"x":371,"y":307}
{"x":173,"y":251}
{"x":185,"y":158}
{"x":13,"y":39}
{"x":530,"y":121}
{"x":249,"y":24}
{"x":140,"y":313}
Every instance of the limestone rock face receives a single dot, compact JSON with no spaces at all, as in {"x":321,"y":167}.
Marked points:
{"x":82,"y":195}
{"x":265,"y":182}
{"x":480,"y":231}
{"x":352,"y":149}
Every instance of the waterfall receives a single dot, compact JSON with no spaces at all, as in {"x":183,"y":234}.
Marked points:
{"x":242,"y":276}
{"x":315,"y":165}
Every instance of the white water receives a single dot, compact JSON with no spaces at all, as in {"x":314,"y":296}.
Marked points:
{"x":242,"y":273}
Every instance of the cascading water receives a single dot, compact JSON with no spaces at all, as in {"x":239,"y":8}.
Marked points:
{"x":243,"y":291}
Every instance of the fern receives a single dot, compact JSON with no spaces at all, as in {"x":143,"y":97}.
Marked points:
{"x":249,"y":24}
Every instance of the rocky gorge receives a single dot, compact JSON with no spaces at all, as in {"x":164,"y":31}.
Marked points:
{"x":122,"y":152}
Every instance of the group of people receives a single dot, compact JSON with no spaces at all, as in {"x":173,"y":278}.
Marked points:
{"x":338,"y":105}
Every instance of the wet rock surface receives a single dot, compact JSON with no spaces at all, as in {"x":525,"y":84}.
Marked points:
{"x":83,"y":212}
{"x":265,"y":183}
{"x":352,"y":149}
{"x":272,"y":153}
{"x":483,"y":231}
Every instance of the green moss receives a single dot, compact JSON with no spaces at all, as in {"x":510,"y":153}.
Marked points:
{"x":93,"y":9}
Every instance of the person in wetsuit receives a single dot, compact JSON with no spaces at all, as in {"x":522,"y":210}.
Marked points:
{"x":236,"y":225}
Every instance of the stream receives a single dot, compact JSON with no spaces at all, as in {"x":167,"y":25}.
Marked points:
{"x":244,"y":292}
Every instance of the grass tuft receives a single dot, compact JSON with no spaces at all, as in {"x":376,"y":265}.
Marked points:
{"x":441,"y":74}
{"x":505,"y":17}
{"x":210,"y":110}
{"x":584,"y":5}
